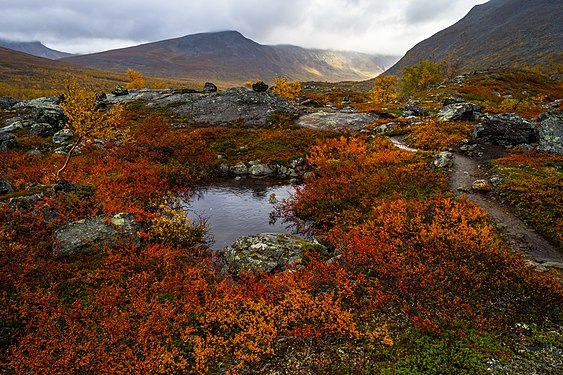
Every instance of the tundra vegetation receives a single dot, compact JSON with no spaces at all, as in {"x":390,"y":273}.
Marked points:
{"x":415,"y":279}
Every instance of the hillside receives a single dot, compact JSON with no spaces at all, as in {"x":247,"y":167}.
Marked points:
{"x":228,"y":57}
{"x":34,"y":48}
{"x":497,"y":33}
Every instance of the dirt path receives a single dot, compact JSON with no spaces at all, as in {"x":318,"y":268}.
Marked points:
{"x":518,"y":234}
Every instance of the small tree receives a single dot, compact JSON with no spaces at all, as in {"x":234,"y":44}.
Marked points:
{"x":86,"y":119}
{"x":136,"y":80}
{"x":285,"y":89}
{"x":384,"y":89}
{"x":418,"y":77}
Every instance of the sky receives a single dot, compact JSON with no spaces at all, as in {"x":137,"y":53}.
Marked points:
{"x":372,"y":26}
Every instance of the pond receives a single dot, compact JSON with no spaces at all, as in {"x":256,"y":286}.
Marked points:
{"x":235,"y":208}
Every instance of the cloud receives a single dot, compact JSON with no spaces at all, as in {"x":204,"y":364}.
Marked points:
{"x":376,"y":26}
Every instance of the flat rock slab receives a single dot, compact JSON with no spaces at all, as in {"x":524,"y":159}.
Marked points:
{"x":337,"y":120}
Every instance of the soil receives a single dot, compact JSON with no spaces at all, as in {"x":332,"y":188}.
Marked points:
{"x":517,"y":233}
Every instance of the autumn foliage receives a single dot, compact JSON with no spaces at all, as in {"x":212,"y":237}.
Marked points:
{"x":286,"y":89}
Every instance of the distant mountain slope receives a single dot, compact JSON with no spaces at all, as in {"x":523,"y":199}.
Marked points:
{"x":35,"y":49}
{"x":229,"y":57}
{"x":497,"y":33}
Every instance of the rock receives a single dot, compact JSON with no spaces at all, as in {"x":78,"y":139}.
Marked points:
{"x":7,"y":140}
{"x":47,"y":115}
{"x":506,"y":129}
{"x":260,"y":170}
{"x":443,"y":160}
{"x":449,"y":101}
{"x":412,"y":109}
{"x":64,"y":186}
{"x":337,"y":120}
{"x":209,"y":87}
{"x":346,"y":100}
{"x":7,"y":102}
{"x":62,"y":136}
{"x":119,"y":91}
{"x":458,"y":112}
{"x":551,"y":132}
{"x":481,"y":185}
{"x":259,"y":86}
{"x":239,"y":169}
{"x":12,"y":124}
{"x":266,"y":252}
{"x":94,"y":233}
{"x":187,"y":91}
{"x":5,"y":186}
{"x":310,"y":103}
{"x":42,"y":130}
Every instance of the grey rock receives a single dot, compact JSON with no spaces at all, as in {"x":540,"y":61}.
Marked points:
{"x":49,"y":115}
{"x":551,"y":132}
{"x":455,"y":100}
{"x":260,"y":170}
{"x":266,"y":252}
{"x":481,"y":185}
{"x":506,"y":129}
{"x":310,"y":103}
{"x":5,"y":186}
{"x":42,"y":130}
{"x":239,"y":169}
{"x":7,"y":140}
{"x":62,"y":136}
{"x":337,"y":120}
{"x":412,"y":109}
{"x":94,"y":233}
{"x":443,"y":160}
{"x":7,"y":102}
{"x":209,"y":87}
{"x":458,"y":112}
{"x":259,"y":86}
{"x":346,"y":100}
{"x":119,"y":91}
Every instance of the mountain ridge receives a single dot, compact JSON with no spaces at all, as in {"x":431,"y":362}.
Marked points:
{"x":35,"y":48}
{"x":230,"y":57}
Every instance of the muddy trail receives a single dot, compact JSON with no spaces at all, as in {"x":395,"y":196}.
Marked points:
{"x":517,"y":233}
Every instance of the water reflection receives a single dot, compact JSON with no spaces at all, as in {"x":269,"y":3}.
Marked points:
{"x":235,"y":208}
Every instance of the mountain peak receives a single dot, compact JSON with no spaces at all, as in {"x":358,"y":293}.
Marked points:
{"x":35,"y":48}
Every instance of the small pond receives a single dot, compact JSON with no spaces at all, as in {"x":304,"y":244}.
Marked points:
{"x":235,"y":208}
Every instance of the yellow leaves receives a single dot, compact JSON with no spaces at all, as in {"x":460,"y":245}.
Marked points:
{"x":384,"y":89}
{"x":136,"y":79}
{"x":285,"y":89}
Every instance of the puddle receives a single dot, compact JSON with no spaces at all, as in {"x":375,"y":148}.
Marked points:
{"x":235,"y":208}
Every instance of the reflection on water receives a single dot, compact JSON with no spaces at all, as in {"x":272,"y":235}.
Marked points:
{"x":235,"y":208}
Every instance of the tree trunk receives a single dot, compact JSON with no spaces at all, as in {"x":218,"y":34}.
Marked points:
{"x":69,"y":155}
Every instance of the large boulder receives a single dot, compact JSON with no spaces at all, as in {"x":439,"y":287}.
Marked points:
{"x":209,"y":87}
{"x":413,"y":109}
{"x":7,"y":102}
{"x":62,"y":136}
{"x":5,"y":186}
{"x":337,"y":120}
{"x":265,"y":252}
{"x":259,"y":86}
{"x":506,"y":129}
{"x":258,"y":169}
{"x":93,"y":233}
{"x":458,"y":112}
{"x":7,"y":140}
{"x":551,"y":132}
{"x":42,"y":130}
{"x":53,"y":116}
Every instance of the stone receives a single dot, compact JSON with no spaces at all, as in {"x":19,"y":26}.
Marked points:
{"x":188,"y":91}
{"x":506,"y":130}
{"x":265,"y":252}
{"x":62,"y":136}
{"x":336,"y":120}
{"x":48,"y":115}
{"x":260,"y":170}
{"x":12,"y":124}
{"x":443,"y":160}
{"x":481,"y":185}
{"x":551,"y":132}
{"x":119,"y":91}
{"x":455,"y":100}
{"x":5,"y":186}
{"x":346,"y":100}
{"x":94,"y":233}
{"x":310,"y":103}
{"x":209,"y":87}
{"x":259,"y":86}
{"x":64,"y":186}
{"x":7,"y":102}
{"x":412,"y":109}
{"x":7,"y":140}
{"x":42,"y":130}
{"x":458,"y":112}
{"x":239,"y":169}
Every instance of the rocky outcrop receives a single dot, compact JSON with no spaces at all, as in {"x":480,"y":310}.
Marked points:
{"x":42,"y":130}
{"x":506,"y":130}
{"x":93,"y":233}
{"x":413,"y":109}
{"x":336,"y":120}
{"x":458,"y":112}
{"x":119,"y":91}
{"x":5,"y":186}
{"x":551,"y":132}
{"x":62,"y":136}
{"x":7,"y":140}
{"x":7,"y":102}
{"x":266,"y":252}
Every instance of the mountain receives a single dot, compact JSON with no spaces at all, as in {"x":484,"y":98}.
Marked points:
{"x":231,"y":58}
{"x":34,"y":48}
{"x":497,"y":33}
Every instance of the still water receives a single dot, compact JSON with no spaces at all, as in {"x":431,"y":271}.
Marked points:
{"x":235,"y":208}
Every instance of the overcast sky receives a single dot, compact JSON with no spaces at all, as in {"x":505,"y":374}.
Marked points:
{"x":372,"y":26}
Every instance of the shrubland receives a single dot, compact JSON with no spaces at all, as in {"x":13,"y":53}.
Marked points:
{"x":414,"y":279}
